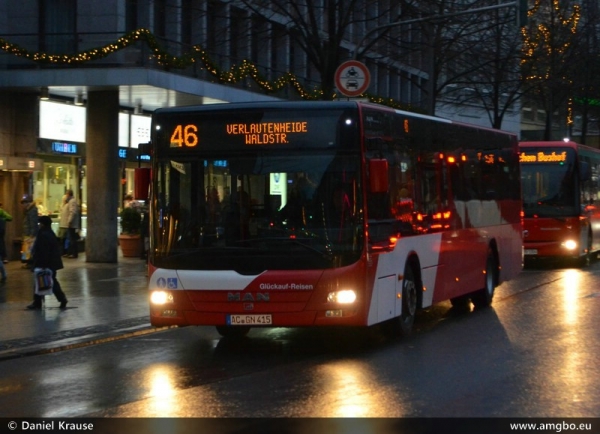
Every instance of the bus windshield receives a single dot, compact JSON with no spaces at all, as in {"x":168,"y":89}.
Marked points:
{"x":249,"y":208}
{"x":549,"y":182}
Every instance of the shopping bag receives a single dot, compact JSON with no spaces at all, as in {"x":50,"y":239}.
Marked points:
{"x":26,"y":249}
{"x":43,"y":281}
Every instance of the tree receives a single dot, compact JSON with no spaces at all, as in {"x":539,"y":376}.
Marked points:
{"x":585,"y":103}
{"x":324,"y":29}
{"x":471,"y":53}
{"x":550,"y":53}
{"x":487,"y":74}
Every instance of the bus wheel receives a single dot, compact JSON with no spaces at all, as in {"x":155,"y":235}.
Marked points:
{"x":483,"y":297}
{"x":409,"y":301}
{"x":233,"y":331}
{"x":586,"y":260}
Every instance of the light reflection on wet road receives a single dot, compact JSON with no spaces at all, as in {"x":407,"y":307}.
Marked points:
{"x":534,"y":354}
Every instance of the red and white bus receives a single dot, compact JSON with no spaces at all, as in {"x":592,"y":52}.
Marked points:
{"x":287,"y":214}
{"x":561,"y":200}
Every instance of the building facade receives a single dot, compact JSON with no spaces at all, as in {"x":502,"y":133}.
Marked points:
{"x":79,"y":81}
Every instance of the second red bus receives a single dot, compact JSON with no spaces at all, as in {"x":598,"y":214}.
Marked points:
{"x":561,"y":203}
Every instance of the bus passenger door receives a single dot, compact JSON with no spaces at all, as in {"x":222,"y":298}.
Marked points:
{"x":435,"y":205}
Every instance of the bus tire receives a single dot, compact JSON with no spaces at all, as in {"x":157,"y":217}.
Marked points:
{"x":233,"y":331}
{"x":401,"y":326}
{"x":409,"y":301}
{"x":586,"y":260}
{"x":483,"y":297}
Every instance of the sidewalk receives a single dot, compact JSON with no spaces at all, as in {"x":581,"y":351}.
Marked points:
{"x":106,"y":301}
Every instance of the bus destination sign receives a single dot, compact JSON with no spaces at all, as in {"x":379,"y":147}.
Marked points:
{"x":543,"y":157}
{"x":267,"y":133}
{"x":257,"y":133}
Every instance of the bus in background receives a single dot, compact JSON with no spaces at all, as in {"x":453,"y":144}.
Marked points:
{"x":287,"y":214}
{"x":561,"y":200}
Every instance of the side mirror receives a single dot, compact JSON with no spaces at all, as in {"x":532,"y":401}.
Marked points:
{"x":378,"y":175}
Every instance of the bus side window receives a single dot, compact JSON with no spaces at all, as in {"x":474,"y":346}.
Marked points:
{"x":430,"y":191}
{"x":591,"y":185}
{"x":379,"y":202}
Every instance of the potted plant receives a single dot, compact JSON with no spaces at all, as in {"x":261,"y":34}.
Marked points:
{"x":130,"y":239}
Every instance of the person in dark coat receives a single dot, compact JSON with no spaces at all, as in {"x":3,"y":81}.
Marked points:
{"x":30,"y":228}
{"x":4,"y":217}
{"x":46,"y":253}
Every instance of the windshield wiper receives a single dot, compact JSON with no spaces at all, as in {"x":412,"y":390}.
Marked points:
{"x":295,"y":241}
{"x":210,"y":250}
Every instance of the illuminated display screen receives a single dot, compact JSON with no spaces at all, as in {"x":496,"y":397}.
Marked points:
{"x":126,"y":153}
{"x":64,"y":148}
{"x":490,"y":158}
{"x":238,"y":130}
{"x":543,"y":156}
{"x":217,"y":163}
{"x":184,"y":135}
{"x":60,"y":121}
{"x":268,"y":132}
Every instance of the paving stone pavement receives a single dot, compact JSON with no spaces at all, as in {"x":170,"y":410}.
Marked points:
{"x":106,"y":301}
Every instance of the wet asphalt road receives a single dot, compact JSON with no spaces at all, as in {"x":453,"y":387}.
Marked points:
{"x":536,"y":353}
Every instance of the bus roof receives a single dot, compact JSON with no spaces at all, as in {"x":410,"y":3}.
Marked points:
{"x":550,"y":143}
{"x":311,"y":105}
{"x":559,"y":144}
{"x":279,"y":105}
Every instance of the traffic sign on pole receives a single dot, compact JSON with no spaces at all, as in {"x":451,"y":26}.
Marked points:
{"x":352,"y":78}
{"x":522,"y":13}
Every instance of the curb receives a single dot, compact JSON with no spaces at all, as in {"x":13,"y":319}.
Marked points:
{"x":80,"y":342}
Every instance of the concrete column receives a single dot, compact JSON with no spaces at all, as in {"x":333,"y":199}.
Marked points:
{"x":18,"y":137}
{"x":102,"y":160}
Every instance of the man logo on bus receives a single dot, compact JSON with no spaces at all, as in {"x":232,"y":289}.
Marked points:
{"x":237,"y":296}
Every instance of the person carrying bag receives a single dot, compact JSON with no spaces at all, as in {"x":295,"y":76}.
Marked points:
{"x":30,"y":229}
{"x":46,"y":255}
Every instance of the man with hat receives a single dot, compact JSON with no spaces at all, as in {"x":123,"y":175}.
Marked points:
{"x":30,"y":227}
{"x":46,"y":253}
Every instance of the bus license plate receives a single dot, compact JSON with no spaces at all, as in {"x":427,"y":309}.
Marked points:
{"x":249,"y":320}
{"x":531,"y":251}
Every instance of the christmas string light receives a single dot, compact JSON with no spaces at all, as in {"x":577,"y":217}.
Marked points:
{"x":570,"y":118}
{"x":542,"y":37}
{"x":195,"y":55}
{"x":539,"y":37}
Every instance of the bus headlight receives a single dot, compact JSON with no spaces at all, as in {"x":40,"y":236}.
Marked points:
{"x":161,"y":297}
{"x":346,"y":296}
{"x":570,"y":245}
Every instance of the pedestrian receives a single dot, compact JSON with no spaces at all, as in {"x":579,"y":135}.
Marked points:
{"x":30,"y":228}
{"x":2,"y":272}
{"x":73,"y":225}
{"x":63,"y":225}
{"x":129,"y":202}
{"x":4,"y":217}
{"x":46,"y":254}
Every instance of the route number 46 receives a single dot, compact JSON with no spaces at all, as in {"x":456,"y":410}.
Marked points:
{"x":184,"y":135}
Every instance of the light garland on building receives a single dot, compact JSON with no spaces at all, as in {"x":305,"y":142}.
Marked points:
{"x":196,"y":54}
